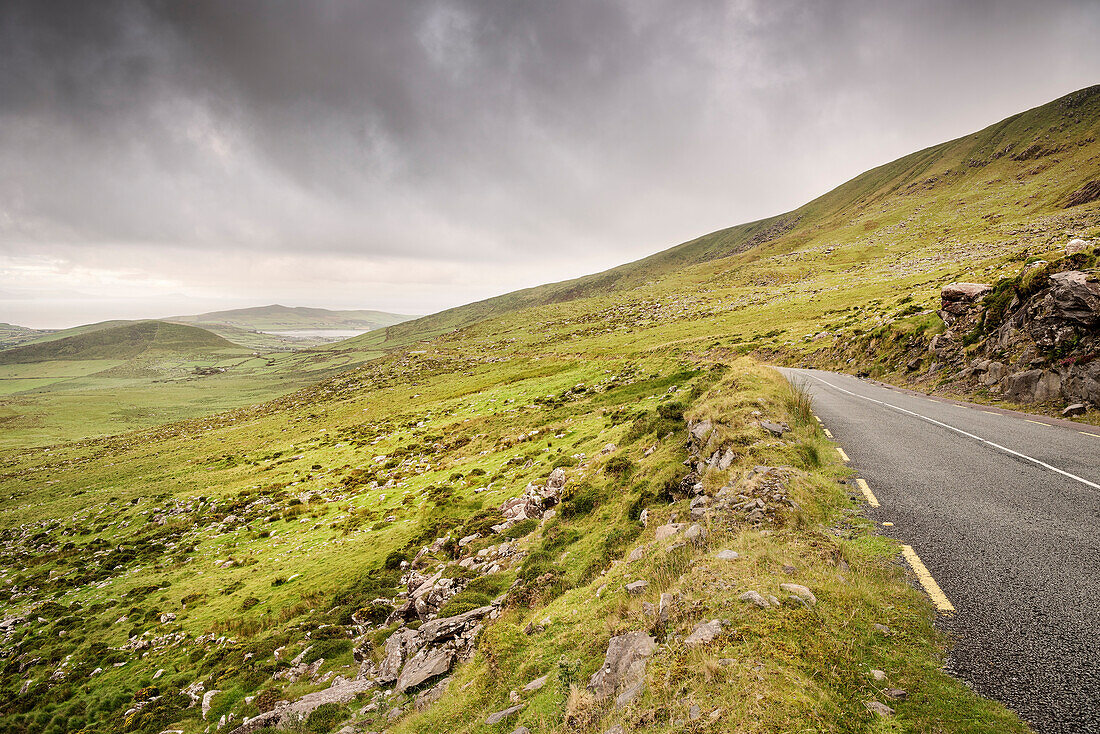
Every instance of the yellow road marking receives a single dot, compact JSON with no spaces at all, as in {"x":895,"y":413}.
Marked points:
{"x":926,"y":580}
{"x":887,"y":524}
{"x":991,"y":412}
{"x":843,"y":456}
{"x":1094,"y":435}
{"x":1038,"y":423}
{"x":871,"y":499}
{"x":828,"y":433}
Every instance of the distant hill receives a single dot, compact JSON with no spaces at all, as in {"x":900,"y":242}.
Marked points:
{"x":12,"y":335}
{"x":125,"y":341}
{"x":277,"y":318}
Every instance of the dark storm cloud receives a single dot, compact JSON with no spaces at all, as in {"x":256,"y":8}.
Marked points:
{"x":183,"y":140}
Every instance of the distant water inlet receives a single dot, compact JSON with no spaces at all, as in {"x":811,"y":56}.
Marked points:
{"x":318,"y":333}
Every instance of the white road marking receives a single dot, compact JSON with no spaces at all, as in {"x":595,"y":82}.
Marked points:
{"x":986,"y":441}
{"x":843,"y":456}
{"x":926,"y":580}
{"x":871,"y":499}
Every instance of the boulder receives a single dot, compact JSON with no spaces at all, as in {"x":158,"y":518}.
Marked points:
{"x":666,"y":531}
{"x":755,"y":598}
{"x":1075,"y":246}
{"x":536,"y":684}
{"x":964,"y":291}
{"x":425,"y":665}
{"x":637,"y":587}
{"x":775,"y":429}
{"x":438,"y":629}
{"x":624,"y":664}
{"x":696,"y":534}
{"x":1033,"y":386}
{"x":701,"y":430}
{"x":401,"y":645}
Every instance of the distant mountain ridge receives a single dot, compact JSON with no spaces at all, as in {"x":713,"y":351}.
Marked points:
{"x":278,"y":317}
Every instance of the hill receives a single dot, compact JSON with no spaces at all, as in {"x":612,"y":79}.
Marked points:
{"x":12,"y":335}
{"x":571,"y":508}
{"x":123,"y":341}
{"x":276,"y":317}
{"x":989,"y":187}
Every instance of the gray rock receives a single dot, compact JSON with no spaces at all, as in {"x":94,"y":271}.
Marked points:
{"x":879,"y":709}
{"x":206,"y":701}
{"x":624,"y":664}
{"x":402,"y":644}
{"x":1033,"y":386}
{"x":536,"y":684}
{"x":695,"y":713}
{"x":1075,"y":409}
{"x":775,"y":429}
{"x":637,"y":554}
{"x":500,"y":716}
{"x":1075,"y":246}
{"x":696,"y":534}
{"x":878,"y":675}
{"x":425,"y":665}
{"x":896,"y":693}
{"x":703,"y":633}
{"x":664,"y":607}
{"x":426,"y":698}
{"x":727,"y":555}
{"x":668,"y":530}
{"x":438,"y":629}
{"x":964,"y":291}
{"x":754,"y":597}
{"x":637,"y":587}
{"x":801,"y":592}
{"x":701,"y":430}
{"x":521,"y":730}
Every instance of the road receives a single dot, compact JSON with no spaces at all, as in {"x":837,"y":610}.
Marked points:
{"x":1004,"y":510}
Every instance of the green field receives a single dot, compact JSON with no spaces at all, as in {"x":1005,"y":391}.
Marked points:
{"x":277,"y":515}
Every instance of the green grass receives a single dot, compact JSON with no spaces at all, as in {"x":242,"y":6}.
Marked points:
{"x":339,"y":462}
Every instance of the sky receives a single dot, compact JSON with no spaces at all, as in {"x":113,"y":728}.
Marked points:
{"x":170,"y":157}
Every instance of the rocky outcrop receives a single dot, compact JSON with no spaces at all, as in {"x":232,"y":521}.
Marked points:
{"x":413,"y":657}
{"x":1036,"y":338}
{"x":535,"y":500}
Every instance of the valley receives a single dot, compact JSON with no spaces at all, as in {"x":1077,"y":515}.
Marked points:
{"x":587,"y":506}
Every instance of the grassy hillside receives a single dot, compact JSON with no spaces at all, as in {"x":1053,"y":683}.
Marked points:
{"x":205,"y":571}
{"x":120,"y":342}
{"x":12,"y":335}
{"x":1015,"y":184}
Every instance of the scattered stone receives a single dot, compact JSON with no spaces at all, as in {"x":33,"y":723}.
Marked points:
{"x":637,"y":554}
{"x":637,"y":587}
{"x":754,"y":597}
{"x":500,"y":716}
{"x":536,"y":684}
{"x":881,"y":628}
{"x":206,"y":701}
{"x":1075,"y":246}
{"x":727,"y":555}
{"x":664,"y":608}
{"x":703,"y":633}
{"x":896,"y":693}
{"x":800,"y":592}
{"x":695,"y":713}
{"x":666,"y":531}
{"x":879,"y":709}
{"x":775,"y":429}
{"x":696,"y":534}
{"x":878,"y":675}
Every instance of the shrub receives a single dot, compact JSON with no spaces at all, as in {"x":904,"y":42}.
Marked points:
{"x":326,"y":716}
{"x":619,"y":467}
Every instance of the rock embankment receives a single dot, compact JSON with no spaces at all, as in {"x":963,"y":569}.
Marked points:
{"x":1032,"y":339}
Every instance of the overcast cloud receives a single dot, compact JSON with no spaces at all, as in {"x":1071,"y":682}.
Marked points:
{"x":171,"y":157}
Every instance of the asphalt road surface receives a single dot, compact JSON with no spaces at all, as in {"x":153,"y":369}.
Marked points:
{"x":1004,"y":511}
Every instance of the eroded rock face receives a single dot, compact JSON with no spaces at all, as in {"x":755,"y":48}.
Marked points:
{"x":624,"y":664}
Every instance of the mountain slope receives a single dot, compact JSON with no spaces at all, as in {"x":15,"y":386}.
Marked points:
{"x":120,"y":342}
{"x":1041,"y":161}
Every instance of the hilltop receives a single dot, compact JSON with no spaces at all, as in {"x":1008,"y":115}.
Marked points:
{"x":119,"y":341}
{"x":571,"y":508}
